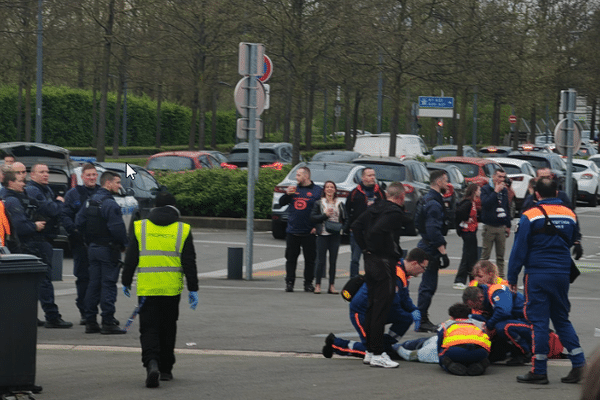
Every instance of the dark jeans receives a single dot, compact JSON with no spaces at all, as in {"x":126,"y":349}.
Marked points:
{"x":355,"y":256}
{"x":380,"y":287}
{"x":468,"y":259}
{"x":326,"y":243}
{"x":293,"y":244}
{"x":81,"y":272}
{"x":158,"y":330}
{"x":428,"y":286}
{"x":102,"y":289}
{"x":43,"y":250}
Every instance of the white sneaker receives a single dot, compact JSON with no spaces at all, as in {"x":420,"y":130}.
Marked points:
{"x":368,"y":357}
{"x":459,"y":286}
{"x":383,"y":361}
{"x":408,"y":355}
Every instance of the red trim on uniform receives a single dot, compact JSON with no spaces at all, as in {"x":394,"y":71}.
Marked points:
{"x":511,"y":338}
{"x":349,"y":350}
{"x":357,"y":320}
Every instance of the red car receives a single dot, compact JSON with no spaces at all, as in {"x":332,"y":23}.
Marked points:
{"x":181,"y":161}
{"x":479,"y":171}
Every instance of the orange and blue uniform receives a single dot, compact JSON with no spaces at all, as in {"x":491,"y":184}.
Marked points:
{"x":399,"y":316}
{"x":545,"y":253}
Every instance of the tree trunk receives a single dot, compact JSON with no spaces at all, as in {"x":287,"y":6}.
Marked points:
{"x":28,"y":110}
{"x":347,"y":118}
{"x":533,"y":125}
{"x":117,"y":112}
{"x":202,"y":123}
{"x":213,"y":122}
{"x":192,"y":137}
{"x":100,"y":149}
{"x":496,"y":121}
{"x":357,"y":99}
{"x":158,"y":115}
{"x":297,"y":126}
{"x":95,"y":111}
{"x":309,"y":115}
{"x":20,"y":110}
{"x":462,"y":122}
{"x":287,"y":116}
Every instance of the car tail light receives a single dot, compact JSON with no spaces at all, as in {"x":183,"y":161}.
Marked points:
{"x":228,"y":166}
{"x":408,"y":188}
{"x":280,"y":189}
{"x":275,"y":165}
{"x":73,"y":180}
{"x":517,"y":178}
{"x":342,"y":193}
{"x":449,"y":192}
{"x":587,"y":176}
{"x":527,"y":147}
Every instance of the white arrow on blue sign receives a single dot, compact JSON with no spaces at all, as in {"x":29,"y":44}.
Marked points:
{"x":436,"y":102}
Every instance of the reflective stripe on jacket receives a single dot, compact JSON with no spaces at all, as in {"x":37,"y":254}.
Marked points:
{"x":159,"y":268}
{"x":464,"y":332}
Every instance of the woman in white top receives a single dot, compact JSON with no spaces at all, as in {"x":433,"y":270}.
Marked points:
{"x":329,"y":215}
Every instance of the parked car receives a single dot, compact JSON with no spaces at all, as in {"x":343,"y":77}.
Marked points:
{"x":587,"y":149}
{"x":143,"y":185}
{"x":125,"y":198}
{"x":379,"y":145}
{"x":450,"y":150}
{"x":587,"y":175}
{"x":181,"y":161}
{"x":520,"y":172}
{"x":495,"y":151}
{"x":552,"y":161}
{"x":413,"y":174}
{"x":479,"y":171}
{"x":456,"y":188}
{"x":335,"y":156}
{"x":358,"y":133}
{"x":595,"y":159}
{"x":346,"y":177}
{"x":271,"y":155}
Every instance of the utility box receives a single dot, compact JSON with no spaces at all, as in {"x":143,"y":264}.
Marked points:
{"x":19,"y":278}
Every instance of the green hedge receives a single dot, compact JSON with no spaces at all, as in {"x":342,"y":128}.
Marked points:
{"x":67,"y":119}
{"x":222,"y":192}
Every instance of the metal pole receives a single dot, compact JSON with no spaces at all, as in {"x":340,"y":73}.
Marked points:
{"x":252,"y":156}
{"x":125,"y":112}
{"x":572,"y":95}
{"x":380,"y":95}
{"x":38,"y":94}
{"x":475,"y":119}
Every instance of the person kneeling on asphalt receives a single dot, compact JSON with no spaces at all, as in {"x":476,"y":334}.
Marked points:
{"x":401,"y":315}
{"x":162,"y":250}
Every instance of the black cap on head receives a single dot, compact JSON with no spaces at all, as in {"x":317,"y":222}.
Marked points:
{"x":165,"y":199}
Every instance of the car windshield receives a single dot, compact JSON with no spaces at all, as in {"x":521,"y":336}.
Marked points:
{"x":511,"y":169}
{"x":322,"y":175}
{"x":388,"y":172}
{"x":444,"y":153}
{"x":266,"y":156}
{"x":579,"y":167}
{"x":596,"y":161}
{"x":537,"y":162}
{"x":171,"y":163}
{"x":468,"y":170}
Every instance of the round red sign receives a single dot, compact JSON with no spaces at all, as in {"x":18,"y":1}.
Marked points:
{"x":512,"y":119}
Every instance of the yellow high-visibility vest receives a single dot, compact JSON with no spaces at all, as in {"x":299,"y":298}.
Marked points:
{"x":464,"y":332}
{"x":159,"y":267}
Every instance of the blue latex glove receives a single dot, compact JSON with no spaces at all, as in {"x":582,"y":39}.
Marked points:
{"x":416,"y":318}
{"x":193,"y":298}
{"x":126,"y":291}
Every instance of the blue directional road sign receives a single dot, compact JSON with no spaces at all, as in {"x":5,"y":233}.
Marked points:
{"x":436,"y":102}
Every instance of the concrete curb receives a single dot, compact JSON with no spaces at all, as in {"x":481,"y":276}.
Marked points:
{"x":226,"y":223}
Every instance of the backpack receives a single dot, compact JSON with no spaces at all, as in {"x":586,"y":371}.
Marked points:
{"x":421,"y":216}
{"x":352,"y":286}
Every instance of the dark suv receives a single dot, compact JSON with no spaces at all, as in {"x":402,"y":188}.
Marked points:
{"x":549,"y":160}
{"x":412,"y":173}
{"x":270,"y":155}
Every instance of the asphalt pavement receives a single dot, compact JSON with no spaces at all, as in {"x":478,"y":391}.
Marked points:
{"x":249,"y":339}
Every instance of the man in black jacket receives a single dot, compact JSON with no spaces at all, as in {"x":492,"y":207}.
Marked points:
{"x":364,"y":195}
{"x":377,"y":233}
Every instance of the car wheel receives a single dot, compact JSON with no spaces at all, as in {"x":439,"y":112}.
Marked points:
{"x":594,"y":200}
{"x":278,"y":229}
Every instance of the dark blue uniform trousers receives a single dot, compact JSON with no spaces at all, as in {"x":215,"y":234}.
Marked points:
{"x":81,"y":272}
{"x":548,"y":299}
{"x":43,"y":250}
{"x":102,"y":289}
{"x":428,"y":286}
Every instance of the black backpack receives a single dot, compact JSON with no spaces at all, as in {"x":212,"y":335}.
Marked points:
{"x":352,"y":286}
{"x":420,"y":215}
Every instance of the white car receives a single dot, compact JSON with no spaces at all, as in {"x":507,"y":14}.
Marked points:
{"x":587,"y":174}
{"x":520,"y":173}
{"x":346,"y":177}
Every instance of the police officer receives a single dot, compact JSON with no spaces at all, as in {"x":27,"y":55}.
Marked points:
{"x":49,"y":205}
{"x":75,"y":198}
{"x":542,"y":244}
{"x":105,"y":233}
{"x":22,"y":211}
{"x":162,"y":249}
